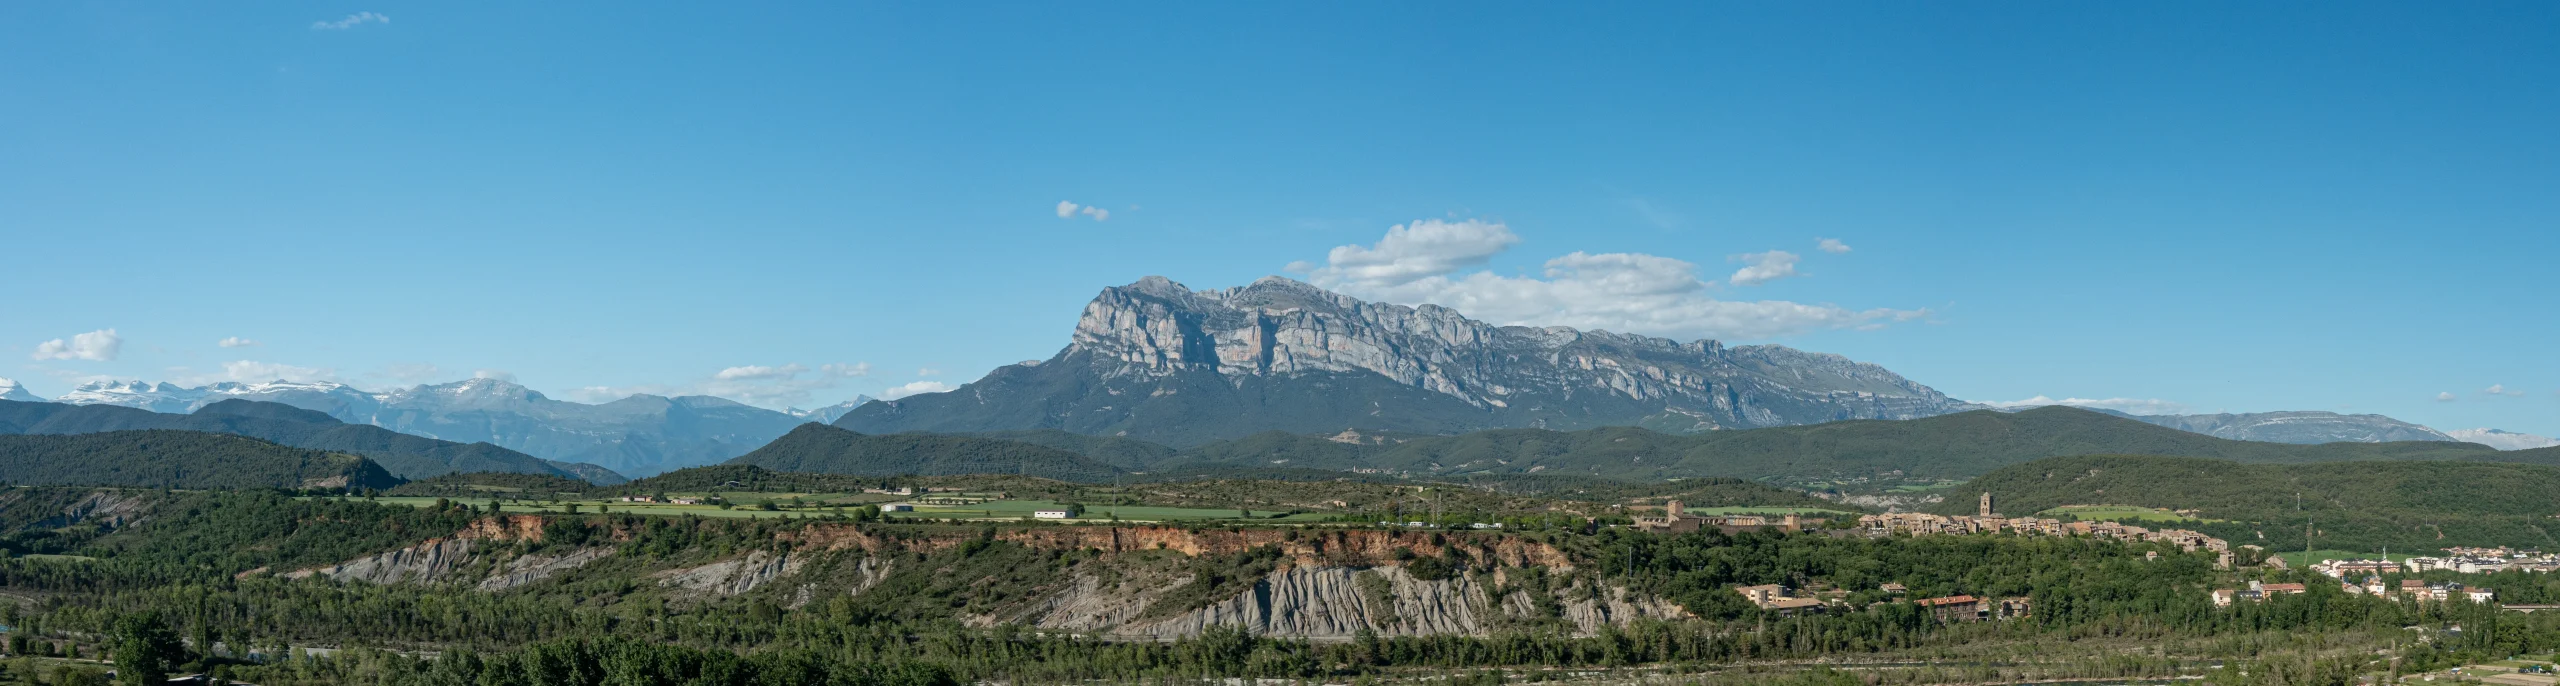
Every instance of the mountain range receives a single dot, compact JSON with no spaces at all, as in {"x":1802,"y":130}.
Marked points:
{"x":406,"y":456}
{"x":2299,"y":427}
{"x":1158,"y":361}
{"x":638,"y":435}
{"x":1155,"y":367}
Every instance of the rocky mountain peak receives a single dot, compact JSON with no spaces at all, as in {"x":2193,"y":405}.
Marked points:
{"x":1282,"y":327}
{"x":1146,"y":354}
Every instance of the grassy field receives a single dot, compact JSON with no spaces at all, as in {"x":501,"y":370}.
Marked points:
{"x":1017,"y":509}
{"x":1758,"y":510}
{"x":824,"y":504}
{"x":2299,"y":559}
{"x":2096,"y":513}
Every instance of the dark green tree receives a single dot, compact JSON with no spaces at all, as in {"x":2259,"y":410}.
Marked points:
{"x":146,"y":649}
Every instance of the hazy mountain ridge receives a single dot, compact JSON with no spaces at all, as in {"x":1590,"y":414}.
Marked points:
{"x":637,"y":435}
{"x":407,"y":456}
{"x":2503,"y":440}
{"x":2299,"y":427}
{"x":1158,"y":361}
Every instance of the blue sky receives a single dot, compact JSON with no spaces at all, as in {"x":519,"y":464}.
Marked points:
{"x":2289,"y":206}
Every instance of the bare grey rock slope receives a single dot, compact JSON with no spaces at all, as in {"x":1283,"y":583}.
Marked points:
{"x":1159,"y":361}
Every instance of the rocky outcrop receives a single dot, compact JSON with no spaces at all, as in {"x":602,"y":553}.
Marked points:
{"x":732,"y":576}
{"x":526,"y":569}
{"x":1616,"y":606}
{"x":418,"y":564}
{"x":1146,"y":358}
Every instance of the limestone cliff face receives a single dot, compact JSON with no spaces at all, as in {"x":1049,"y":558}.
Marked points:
{"x":1151,"y":352}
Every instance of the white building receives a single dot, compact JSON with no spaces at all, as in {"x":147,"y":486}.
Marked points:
{"x":1052,"y":514}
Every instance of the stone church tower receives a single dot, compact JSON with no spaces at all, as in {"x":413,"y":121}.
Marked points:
{"x":1986,"y":503}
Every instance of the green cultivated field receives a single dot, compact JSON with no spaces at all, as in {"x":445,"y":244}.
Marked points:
{"x":2302,"y":560}
{"x":2097,"y":513}
{"x":1016,"y":509}
{"x":822,"y":504}
{"x":1760,"y":510}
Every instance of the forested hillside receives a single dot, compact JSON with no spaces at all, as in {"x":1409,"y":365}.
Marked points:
{"x":180,"y":459}
{"x":2346,"y":505}
{"x":407,"y":456}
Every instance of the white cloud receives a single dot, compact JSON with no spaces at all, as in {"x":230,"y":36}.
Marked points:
{"x":1069,"y":210}
{"x":1764,"y":267}
{"x":1412,"y":252}
{"x":499,"y":374}
{"x":2124,"y":405}
{"x":1625,"y":292}
{"x":2501,"y":389}
{"x":96,"y":346}
{"x":759,"y":372}
{"x":352,"y":21}
{"x":254,"y":371}
{"x":237,"y":342}
{"x":928,"y":371}
{"x":770,"y":386}
{"x":2445,"y":397}
{"x":913,"y":388}
{"x":1831,"y":245}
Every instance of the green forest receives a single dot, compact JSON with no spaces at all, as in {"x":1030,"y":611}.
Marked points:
{"x":180,"y":459}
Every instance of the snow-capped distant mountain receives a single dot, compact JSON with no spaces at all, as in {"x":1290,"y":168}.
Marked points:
{"x":10,"y":390}
{"x":636,"y":436}
{"x":829,"y":414}
{"x":2503,"y":440}
{"x":171,"y":398}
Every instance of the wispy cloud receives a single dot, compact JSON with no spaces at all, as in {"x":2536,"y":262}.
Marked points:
{"x":1069,"y":210}
{"x":1441,"y":262}
{"x":236,"y":342}
{"x":913,"y":388}
{"x":2445,"y":397}
{"x":928,"y":371}
{"x":770,"y":386}
{"x":2502,"y":389}
{"x":1831,"y":245}
{"x":352,"y":21}
{"x":254,"y":371}
{"x":1764,"y":267}
{"x":2124,"y":405}
{"x":95,"y":346}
